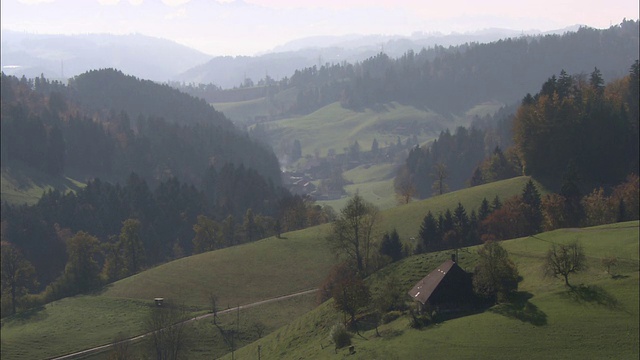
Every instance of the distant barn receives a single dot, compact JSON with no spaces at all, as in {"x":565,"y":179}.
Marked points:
{"x":448,"y":288}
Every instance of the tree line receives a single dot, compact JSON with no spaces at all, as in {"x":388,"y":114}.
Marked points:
{"x":103,"y":232}
{"x":573,"y":120}
{"x":446,"y":80}
{"x":528,"y":214}
{"x":356,"y":239}
{"x":579,"y":120}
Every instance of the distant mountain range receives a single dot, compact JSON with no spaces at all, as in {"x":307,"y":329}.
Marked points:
{"x":65,"y":56}
{"x":284,"y":60}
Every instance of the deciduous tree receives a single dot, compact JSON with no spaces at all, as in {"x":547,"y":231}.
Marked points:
{"x":206,"y":235}
{"x":563,"y":260}
{"x":439,"y":175}
{"x":18,"y":275}
{"x":495,"y":276}
{"x":350,"y":294}
{"x":82,"y":270}
{"x":353,"y":232}
{"x":404,"y":186}
{"x":133,"y":249}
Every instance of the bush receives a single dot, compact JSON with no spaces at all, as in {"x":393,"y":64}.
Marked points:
{"x":340,"y":336}
{"x":390,"y":316}
{"x":419,"y":321}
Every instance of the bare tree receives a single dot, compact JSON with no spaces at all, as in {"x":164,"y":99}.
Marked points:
{"x":228,"y":335}
{"x":120,"y":349}
{"x":404,"y":185}
{"x":259,"y":327}
{"x":167,"y":335}
{"x":562,"y":260}
{"x":609,"y":262}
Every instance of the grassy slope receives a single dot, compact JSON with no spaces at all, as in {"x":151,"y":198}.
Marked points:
{"x":70,"y":324}
{"x":237,"y":275}
{"x":22,"y":185}
{"x":408,"y":218}
{"x":600,"y":321}
{"x":241,"y":111}
{"x":487,"y":108}
{"x":334,"y":127}
{"x":374,"y":183}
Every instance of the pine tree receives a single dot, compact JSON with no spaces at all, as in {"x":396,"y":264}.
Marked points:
{"x":391,"y":246}
{"x":484,"y":210}
{"x":533,"y":211}
{"x":429,"y":233}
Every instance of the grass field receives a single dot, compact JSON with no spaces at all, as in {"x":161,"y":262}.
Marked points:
{"x":237,"y":275}
{"x":242,"y":112}
{"x":374,"y":183}
{"x":408,"y":218}
{"x":596,"y":319}
{"x":487,"y":108}
{"x":334,"y":127}
{"x":71,"y":324}
{"x":22,"y":185}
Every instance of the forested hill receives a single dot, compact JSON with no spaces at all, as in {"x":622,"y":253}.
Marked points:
{"x":110,"y":89}
{"x":454,"y":79}
{"x":106,"y":124}
{"x":164,"y":175}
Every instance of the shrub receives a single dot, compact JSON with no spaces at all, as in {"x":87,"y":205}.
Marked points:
{"x":390,"y":316}
{"x":418,"y":320}
{"x":340,"y":336}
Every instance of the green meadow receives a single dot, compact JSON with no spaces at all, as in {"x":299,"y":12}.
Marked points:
{"x":598,"y":318}
{"x":241,"y":112}
{"x":334,"y":127}
{"x":22,"y":185}
{"x":249,"y":273}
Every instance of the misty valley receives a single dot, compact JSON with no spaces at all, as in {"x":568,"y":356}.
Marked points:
{"x":478,"y":199}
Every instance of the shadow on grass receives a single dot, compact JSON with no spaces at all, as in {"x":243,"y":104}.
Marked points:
{"x":390,"y":333}
{"x":33,"y":314}
{"x":520,"y":308}
{"x":368,"y":322}
{"x":619,"y":277}
{"x":592,"y":294}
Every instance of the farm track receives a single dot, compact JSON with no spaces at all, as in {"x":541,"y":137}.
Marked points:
{"x":98,"y":349}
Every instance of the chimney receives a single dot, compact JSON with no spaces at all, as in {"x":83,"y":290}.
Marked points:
{"x":454,"y":258}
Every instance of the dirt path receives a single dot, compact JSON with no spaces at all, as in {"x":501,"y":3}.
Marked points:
{"x":100,"y":348}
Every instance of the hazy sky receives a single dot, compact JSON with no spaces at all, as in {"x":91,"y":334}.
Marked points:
{"x":223,"y":27}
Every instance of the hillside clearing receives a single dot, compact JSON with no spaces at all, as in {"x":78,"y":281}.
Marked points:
{"x":598,"y":319}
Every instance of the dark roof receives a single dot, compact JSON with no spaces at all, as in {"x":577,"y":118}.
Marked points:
{"x":425,"y":287}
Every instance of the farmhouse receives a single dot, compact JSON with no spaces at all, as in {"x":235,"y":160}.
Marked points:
{"x":448,"y":287}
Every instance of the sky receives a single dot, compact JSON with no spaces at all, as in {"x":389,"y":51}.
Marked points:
{"x":248,"y":27}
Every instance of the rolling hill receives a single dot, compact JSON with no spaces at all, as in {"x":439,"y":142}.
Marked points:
{"x":236,"y":275}
{"x":596,"y":319}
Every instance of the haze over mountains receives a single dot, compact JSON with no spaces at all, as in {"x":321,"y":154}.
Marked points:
{"x":65,"y":56}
